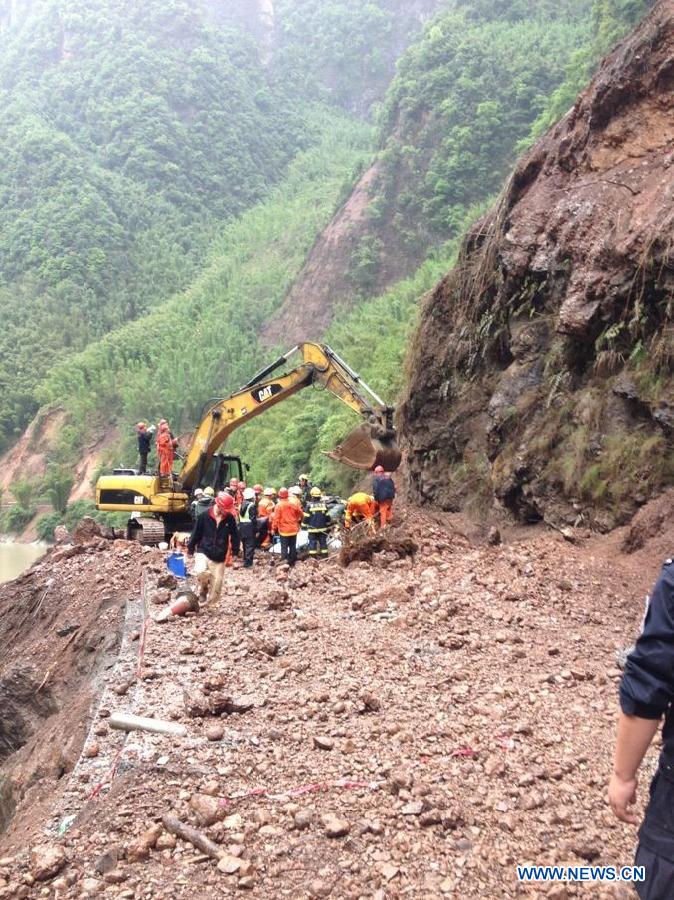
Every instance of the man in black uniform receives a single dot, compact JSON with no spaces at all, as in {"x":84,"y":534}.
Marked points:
{"x":305,"y":485}
{"x":317,"y":523}
{"x":248,"y":526}
{"x":646,"y":695}
{"x":144,"y":444}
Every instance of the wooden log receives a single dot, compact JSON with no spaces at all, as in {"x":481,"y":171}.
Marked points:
{"x":127,"y":722}
{"x":192,"y":836}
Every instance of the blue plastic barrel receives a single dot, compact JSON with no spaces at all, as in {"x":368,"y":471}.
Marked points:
{"x":176,"y":564}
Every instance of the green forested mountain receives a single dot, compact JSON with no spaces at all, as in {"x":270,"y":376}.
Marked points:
{"x":138,"y":136}
{"x":464,"y":95}
{"x":129,"y":132}
{"x":133,"y":130}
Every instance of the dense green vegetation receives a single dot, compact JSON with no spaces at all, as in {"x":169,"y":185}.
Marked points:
{"x":344,"y":51}
{"x":129,"y":132}
{"x":202,"y":343}
{"x":611,"y":19}
{"x":463,"y":97}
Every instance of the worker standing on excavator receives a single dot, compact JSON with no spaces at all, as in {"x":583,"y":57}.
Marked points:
{"x":317,"y":523}
{"x":384,"y":492}
{"x":144,"y":444}
{"x":166,"y":446}
{"x":286,"y":523}
{"x":248,"y":526}
{"x":360,"y":507}
{"x":214,"y":534}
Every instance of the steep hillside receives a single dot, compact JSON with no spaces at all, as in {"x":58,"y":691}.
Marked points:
{"x":202,"y":342}
{"x":465,"y":93}
{"x":542,"y":368}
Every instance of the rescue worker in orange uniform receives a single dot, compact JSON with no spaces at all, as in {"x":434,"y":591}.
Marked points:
{"x":265,"y":509}
{"x":165,"y":449}
{"x":286,"y":523}
{"x":384,"y":492}
{"x":360,"y":507}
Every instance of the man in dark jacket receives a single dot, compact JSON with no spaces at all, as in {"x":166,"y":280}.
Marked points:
{"x":144,"y":444}
{"x":646,"y":697}
{"x":384,"y":492}
{"x":317,"y":523}
{"x":214,"y":534}
{"x":305,"y":485}
{"x":248,"y":526}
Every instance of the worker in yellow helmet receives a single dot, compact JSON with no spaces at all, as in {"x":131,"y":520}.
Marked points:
{"x":360,"y":507}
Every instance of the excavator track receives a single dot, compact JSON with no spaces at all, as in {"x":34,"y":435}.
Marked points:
{"x":146,"y":531}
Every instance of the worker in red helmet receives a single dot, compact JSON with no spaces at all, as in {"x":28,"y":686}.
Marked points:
{"x":166,"y":446}
{"x":214,"y":534}
{"x":384,"y":492}
{"x":286,"y":522}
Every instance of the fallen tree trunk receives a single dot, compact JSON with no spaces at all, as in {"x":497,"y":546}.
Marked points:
{"x":192,"y":836}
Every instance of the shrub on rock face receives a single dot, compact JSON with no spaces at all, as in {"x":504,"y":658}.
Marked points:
{"x":46,"y":527}
{"x":16,"y":518}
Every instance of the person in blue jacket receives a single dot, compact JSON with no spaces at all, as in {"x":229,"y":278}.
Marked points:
{"x":384,"y":492}
{"x":646,"y":695}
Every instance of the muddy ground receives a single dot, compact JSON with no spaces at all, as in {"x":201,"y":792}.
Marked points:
{"x":404,"y":727}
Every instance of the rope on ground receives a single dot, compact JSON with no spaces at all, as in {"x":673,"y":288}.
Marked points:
{"x":109,"y":776}
{"x":300,"y":790}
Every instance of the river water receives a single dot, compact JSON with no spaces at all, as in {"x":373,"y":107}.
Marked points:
{"x":16,"y":558}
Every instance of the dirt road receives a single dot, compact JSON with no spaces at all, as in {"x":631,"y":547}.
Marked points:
{"x":405,"y":727}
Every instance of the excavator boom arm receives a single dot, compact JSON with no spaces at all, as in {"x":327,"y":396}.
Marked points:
{"x":320,"y":365}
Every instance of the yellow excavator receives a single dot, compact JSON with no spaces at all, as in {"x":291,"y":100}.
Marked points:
{"x":160,"y":505}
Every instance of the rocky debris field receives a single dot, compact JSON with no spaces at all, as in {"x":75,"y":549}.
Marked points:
{"x":409,"y":726}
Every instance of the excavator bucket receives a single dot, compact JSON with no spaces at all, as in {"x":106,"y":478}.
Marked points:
{"x":361,"y":450}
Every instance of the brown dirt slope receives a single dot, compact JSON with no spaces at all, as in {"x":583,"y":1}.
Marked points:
{"x":542,"y":368}
{"x":323,"y":284}
{"x":29,"y":457}
{"x":60,"y":627}
{"x":400,"y":728}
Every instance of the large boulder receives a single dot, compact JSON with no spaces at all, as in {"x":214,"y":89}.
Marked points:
{"x":87,"y":530}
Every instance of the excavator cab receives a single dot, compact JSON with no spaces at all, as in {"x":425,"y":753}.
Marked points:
{"x":221,"y":470}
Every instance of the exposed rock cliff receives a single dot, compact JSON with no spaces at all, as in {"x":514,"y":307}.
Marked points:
{"x":541,"y":372}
